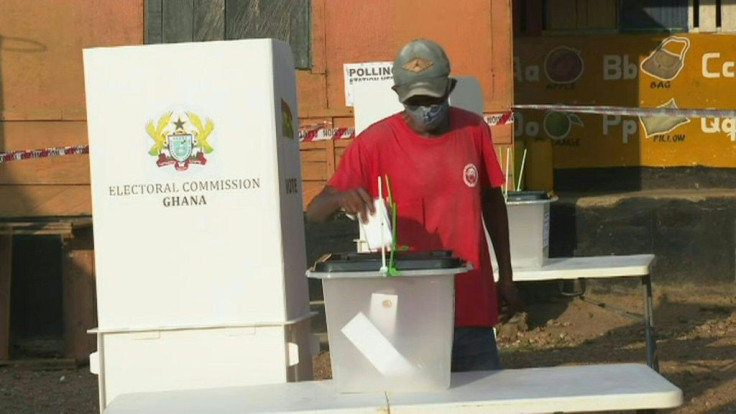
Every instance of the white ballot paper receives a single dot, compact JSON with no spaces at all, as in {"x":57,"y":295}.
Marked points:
{"x":377,"y":231}
{"x":376,"y":348}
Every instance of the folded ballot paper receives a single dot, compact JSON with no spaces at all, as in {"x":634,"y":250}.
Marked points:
{"x":377,"y":230}
{"x":377,"y":348}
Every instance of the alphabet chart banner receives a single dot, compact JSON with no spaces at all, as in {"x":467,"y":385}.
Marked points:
{"x":676,"y":73}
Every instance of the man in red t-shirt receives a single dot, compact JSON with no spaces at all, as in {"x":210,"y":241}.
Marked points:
{"x":445,"y":180}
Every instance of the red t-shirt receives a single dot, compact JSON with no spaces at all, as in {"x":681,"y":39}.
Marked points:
{"x":436,"y":184}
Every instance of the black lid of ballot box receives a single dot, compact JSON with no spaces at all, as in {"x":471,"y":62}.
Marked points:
{"x":406,"y":260}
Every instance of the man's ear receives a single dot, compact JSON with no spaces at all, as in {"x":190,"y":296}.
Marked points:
{"x":394,"y":88}
{"x":451,"y":86}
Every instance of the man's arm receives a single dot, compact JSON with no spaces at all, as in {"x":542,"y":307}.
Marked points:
{"x":497,"y":224}
{"x":330,"y":201}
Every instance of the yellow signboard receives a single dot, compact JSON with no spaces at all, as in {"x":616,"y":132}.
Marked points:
{"x":682,"y":71}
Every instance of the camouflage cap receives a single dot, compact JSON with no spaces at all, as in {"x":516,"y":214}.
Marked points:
{"x":421,"y":68}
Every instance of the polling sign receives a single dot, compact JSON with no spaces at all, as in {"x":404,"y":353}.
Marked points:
{"x":364,"y":72}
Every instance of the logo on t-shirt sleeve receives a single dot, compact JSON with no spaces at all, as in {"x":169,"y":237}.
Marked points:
{"x":470,"y":175}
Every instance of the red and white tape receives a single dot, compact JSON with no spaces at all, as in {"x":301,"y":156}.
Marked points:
{"x":502,"y":118}
{"x":43,"y":153}
{"x":308,"y":134}
{"x":321,"y":133}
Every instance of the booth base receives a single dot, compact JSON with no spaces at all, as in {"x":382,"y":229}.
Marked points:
{"x":171,"y":359}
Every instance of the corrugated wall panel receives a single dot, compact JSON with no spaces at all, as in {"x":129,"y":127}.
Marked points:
{"x":654,"y":15}
{"x":527,"y":15}
{"x":728,"y":16}
{"x":174,"y":21}
{"x":579,"y":15}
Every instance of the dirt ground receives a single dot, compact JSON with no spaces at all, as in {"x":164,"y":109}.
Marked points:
{"x":696,"y":340}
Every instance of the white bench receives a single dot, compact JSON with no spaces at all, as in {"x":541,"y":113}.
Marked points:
{"x":598,"y":267}
{"x":568,"y":389}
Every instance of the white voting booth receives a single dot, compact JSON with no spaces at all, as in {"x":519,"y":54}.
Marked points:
{"x":198,"y":222}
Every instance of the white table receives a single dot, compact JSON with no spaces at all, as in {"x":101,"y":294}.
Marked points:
{"x":529,"y":390}
{"x":596,"y":267}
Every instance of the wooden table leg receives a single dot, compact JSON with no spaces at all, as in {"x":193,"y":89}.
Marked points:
{"x":6,"y":259}
{"x":78,"y":285}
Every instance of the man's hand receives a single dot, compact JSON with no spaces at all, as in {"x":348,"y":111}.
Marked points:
{"x":330,"y":201}
{"x":356,"y":201}
{"x":509,"y":300}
